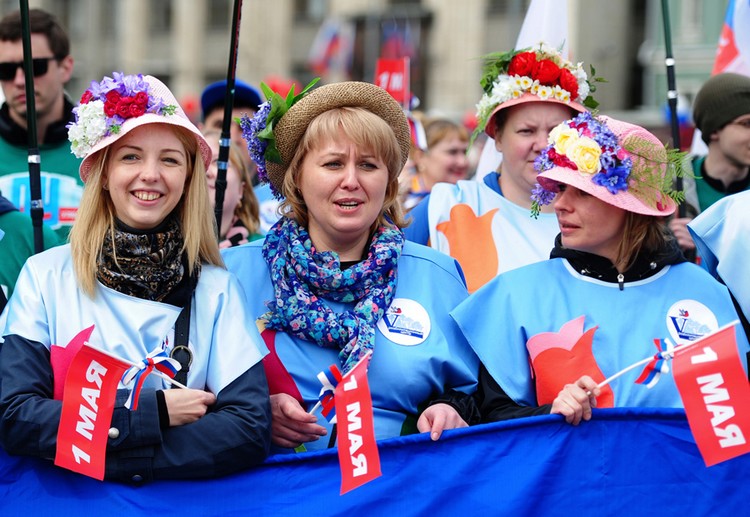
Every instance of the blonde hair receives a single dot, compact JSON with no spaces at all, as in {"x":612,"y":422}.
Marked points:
{"x":640,"y":233}
{"x":95,"y":220}
{"x":248,"y":209}
{"x":365,"y":130}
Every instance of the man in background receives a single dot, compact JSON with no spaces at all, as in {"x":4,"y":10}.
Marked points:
{"x":721,"y":111}
{"x":52,"y":68}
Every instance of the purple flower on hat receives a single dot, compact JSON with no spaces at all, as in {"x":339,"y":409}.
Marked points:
{"x":106,"y":105}
{"x":251,"y":128}
{"x":258,"y":131}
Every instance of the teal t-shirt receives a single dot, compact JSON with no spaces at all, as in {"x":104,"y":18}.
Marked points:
{"x":707,"y":195}
{"x":17,"y":245}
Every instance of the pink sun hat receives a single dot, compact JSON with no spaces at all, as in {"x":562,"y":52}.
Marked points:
{"x":619,"y":163}
{"x":115,"y":106}
{"x":539,"y":74}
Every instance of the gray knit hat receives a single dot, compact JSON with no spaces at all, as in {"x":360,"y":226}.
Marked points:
{"x":721,"y":99}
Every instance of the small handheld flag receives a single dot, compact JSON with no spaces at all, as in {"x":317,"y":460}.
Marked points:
{"x":156,"y":359}
{"x":329,"y":379}
{"x":658,"y":364}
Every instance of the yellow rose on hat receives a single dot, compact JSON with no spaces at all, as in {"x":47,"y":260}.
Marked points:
{"x":562,"y":136}
{"x":585,"y":153}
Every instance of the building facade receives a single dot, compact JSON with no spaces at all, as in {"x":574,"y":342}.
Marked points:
{"x":186,"y":43}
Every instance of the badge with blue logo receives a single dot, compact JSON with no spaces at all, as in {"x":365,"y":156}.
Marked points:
{"x":688,"y":320}
{"x":405,"y":322}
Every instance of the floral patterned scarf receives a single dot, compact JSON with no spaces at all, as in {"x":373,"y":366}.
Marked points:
{"x":147,"y":265}
{"x":303,"y":279}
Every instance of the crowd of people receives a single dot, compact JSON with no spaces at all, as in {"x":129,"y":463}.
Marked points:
{"x":477,"y":301}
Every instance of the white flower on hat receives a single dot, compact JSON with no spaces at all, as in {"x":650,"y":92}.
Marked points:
{"x":89,"y":129}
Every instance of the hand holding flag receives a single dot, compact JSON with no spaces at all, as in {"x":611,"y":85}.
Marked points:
{"x":329,"y":379}
{"x":157,"y":360}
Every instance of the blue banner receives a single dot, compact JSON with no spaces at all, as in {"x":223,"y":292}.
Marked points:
{"x":623,"y":461}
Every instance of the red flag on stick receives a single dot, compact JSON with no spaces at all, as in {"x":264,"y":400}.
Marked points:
{"x":88,"y":402}
{"x":358,"y":451}
{"x":714,"y":390}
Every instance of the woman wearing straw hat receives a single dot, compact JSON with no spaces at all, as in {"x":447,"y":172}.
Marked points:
{"x":615,"y":283}
{"x":142,"y":252}
{"x":486,"y":225}
{"x":334,"y":280}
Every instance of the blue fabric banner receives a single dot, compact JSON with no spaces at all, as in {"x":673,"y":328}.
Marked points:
{"x":623,"y":461}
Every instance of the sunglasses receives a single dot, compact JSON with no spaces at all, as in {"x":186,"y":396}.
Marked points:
{"x":39,"y":65}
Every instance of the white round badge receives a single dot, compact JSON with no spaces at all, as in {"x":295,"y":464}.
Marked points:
{"x":688,"y":320}
{"x":405,"y":322}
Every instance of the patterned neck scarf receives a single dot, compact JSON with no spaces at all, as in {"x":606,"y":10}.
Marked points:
{"x":149,"y":264}
{"x":304,"y":278}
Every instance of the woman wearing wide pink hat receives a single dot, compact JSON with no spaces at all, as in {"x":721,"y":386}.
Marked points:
{"x":142,"y":277}
{"x":616,"y":282}
{"x":486,"y":225}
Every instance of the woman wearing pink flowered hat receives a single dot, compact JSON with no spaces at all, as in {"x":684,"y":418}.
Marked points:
{"x":142,"y":279}
{"x":616,"y":284}
{"x":485,"y":225}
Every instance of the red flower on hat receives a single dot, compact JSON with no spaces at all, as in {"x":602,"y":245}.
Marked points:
{"x":113,"y":96}
{"x":123,"y":107}
{"x":560,"y":159}
{"x":136,"y":110}
{"x":522,"y":64}
{"x":110,"y":109}
{"x":141,"y":98}
{"x":547,"y":73}
{"x":569,"y":83}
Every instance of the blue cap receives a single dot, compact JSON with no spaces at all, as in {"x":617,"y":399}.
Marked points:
{"x":244,"y":96}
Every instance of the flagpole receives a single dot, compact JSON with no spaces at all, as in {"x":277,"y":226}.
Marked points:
{"x":34,"y":158}
{"x":137,"y":365}
{"x":666,"y":354}
{"x":224,"y":140}
{"x":672,"y":94}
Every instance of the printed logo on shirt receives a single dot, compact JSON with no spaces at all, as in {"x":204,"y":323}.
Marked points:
{"x":405,"y":322}
{"x":688,"y":320}
{"x":62,"y":195}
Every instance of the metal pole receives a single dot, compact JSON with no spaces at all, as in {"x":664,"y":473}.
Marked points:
{"x":34,"y":159}
{"x":224,"y":141}
{"x":672,"y":93}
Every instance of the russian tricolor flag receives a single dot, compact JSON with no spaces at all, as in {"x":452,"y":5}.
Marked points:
{"x":329,"y":379}
{"x":657,"y":365}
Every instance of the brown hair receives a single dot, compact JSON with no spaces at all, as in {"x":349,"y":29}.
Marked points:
{"x":364,"y":129}
{"x":438,"y":129}
{"x":641,"y":233}
{"x":40,"y":22}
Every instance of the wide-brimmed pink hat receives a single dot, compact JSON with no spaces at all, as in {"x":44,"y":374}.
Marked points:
{"x":115,"y":106}
{"x":617,"y":162}
{"x":539,"y":74}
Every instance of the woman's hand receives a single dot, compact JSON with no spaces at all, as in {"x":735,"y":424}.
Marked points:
{"x":187,"y":405}
{"x":437,"y":418}
{"x":290,"y":424}
{"x":574,"y":402}
{"x":678,"y":226}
